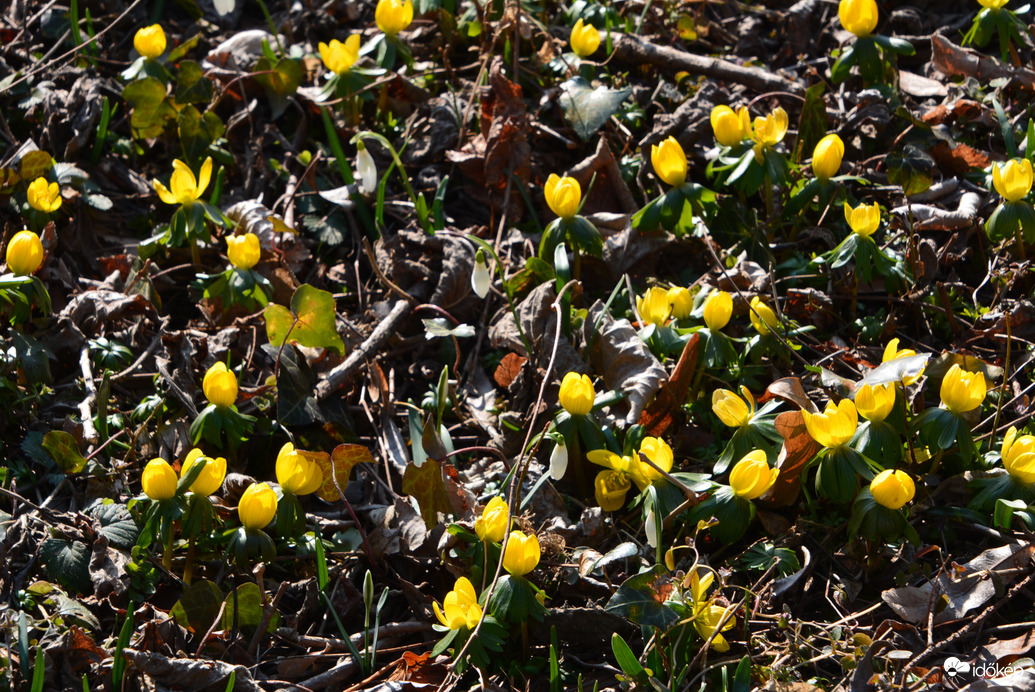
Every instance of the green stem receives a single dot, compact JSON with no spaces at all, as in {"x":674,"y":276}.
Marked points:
{"x":188,"y":568}
{"x":366,"y":134}
{"x":167,"y":551}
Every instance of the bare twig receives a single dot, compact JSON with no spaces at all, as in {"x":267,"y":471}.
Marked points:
{"x":341,"y":374}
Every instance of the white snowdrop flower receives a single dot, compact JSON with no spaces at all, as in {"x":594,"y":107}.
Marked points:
{"x":366,"y":169}
{"x":558,"y":460}
{"x":481,"y":279}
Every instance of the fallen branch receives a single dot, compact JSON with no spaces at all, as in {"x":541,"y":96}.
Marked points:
{"x":90,"y":436}
{"x":954,"y":61}
{"x":337,"y":377}
{"x":929,"y":218}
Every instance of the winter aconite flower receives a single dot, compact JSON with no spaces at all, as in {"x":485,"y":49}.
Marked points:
{"x":220,"y":385}
{"x":211,"y":477}
{"x":186,"y":189}
{"x":993,"y":4}
{"x":892,"y":351}
{"x":751,"y":477}
{"x":24,"y":253}
{"x":522,"y":553}
{"x":392,"y":16}
{"x":874,"y":402}
{"x":962,"y":391}
{"x":730,"y":127}
{"x":610,"y":488}
{"x":158,"y":480}
{"x":763,"y":319}
{"x":257,"y":506}
{"x":681,"y":301}
{"x":1018,"y":455}
{"x":660,"y":454}
{"x":654,"y":307}
{"x":563,"y":195}
{"x":339,"y":57}
{"x":769,"y":131}
{"x":1013,"y":179}
{"x":43,"y":196}
{"x":585,"y":39}
{"x":718,"y":307}
{"x":863,"y":219}
{"x":858,"y":16}
{"x":296,"y":473}
{"x":826,"y":157}
{"x":492,"y":525}
{"x":150,"y":41}
{"x":892,"y":488}
{"x":669,"y":161}
{"x":577,"y":395}
{"x":733,"y":411}
{"x":835,"y":426}
{"x":460,"y":606}
{"x":243,"y":250}
{"x":708,"y":615}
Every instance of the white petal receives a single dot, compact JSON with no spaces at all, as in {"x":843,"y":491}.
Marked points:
{"x":558,"y":461}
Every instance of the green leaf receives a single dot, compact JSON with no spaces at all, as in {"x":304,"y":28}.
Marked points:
{"x":642,"y":599}
{"x":151,"y":110}
{"x":179,"y":51}
{"x":625,"y":657}
{"x":68,"y":562}
{"x":296,"y":399}
{"x":280,"y":82}
{"x":116,"y":524}
{"x":192,"y":86}
{"x":248,"y":609}
{"x":310,"y":322}
{"x":586,"y":108}
{"x":198,"y":607}
{"x":65,"y":451}
{"x":197,"y":133}
{"x":912,"y":168}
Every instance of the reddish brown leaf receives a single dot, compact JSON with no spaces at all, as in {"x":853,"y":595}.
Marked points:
{"x":428,"y":487}
{"x":508,"y":369}
{"x":660,"y":415}
{"x":798,"y":450}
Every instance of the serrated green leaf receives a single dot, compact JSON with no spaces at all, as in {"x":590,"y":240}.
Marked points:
{"x":116,"y":523}
{"x":310,"y":322}
{"x":586,"y":108}
{"x":68,"y":562}
{"x":63,"y":448}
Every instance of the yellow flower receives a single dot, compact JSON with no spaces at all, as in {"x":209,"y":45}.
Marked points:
{"x":150,"y":41}
{"x":858,"y":16}
{"x":733,"y":411}
{"x":257,"y":506}
{"x":891,"y":352}
{"x":660,"y":454}
{"x":874,"y":402}
{"x":585,"y":39}
{"x":220,"y":385}
{"x":1019,"y":456}
{"x":681,"y":301}
{"x":492,"y":525}
{"x":993,"y":4}
{"x":522,"y":553}
{"x":296,"y":474}
{"x":610,"y":488}
{"x":654,"y":307}
{"x":243,"y":250}
{"x":44,"y":197}
{"x":718,"y":307}
{"x":211,"y":477}
{"x":577,"y":394}
{"x":1013,"y":179}
{"x":460,"y":606}
{"x":669,"y":161}
{"x":339,"y":57}
{"x":763,"y":319}
{"x":769,"y":131}
{"x":963,"y":391}
{"x":24,"y":253}
{"x":158,"y":480}
{"x":393,"y":16}
{"x":835,"y":426}
{"x":730,"y":127}
{"x":892,"y":488}
{"x":826,"y":157}
{"x":186,"y":189}
{"x":751,"y":477}
{"x":706,"y":614}
{"x":864,"y":219}
{"x":563,"y":195}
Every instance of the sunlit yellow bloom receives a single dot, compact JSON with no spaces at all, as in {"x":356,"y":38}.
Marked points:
{"x":186,"y":189}
{"x":993,"y":4}
{"x":707,"y":614}
{"x":963,"y":391}
{"x":681,"y":301}
{"x":585,"y":39}
{"x":339,"y":57}
{"x":220,"y":385}
{"x":763,"y":319}
{"x":43,"y":196}
{"x":522,"y":553}
{"x":1019,"y":456}
{"x":243,"y":250}
{"x":392,"y":16}
{"x":660,"y":454}
{"x":874,"y":402}
{"x":610,"y":488}
{"x":492,"y":525}
{"x":563,"y":195}
{"x":863,"y":219}
{"x":858,"y":16}
{"x":731,"y":409}
{"x":826,"y":157}
{"x":577,"y":394}
{"x":669,"y":161}
{"x":654,"y":307}
{"x":769,"y":131}
{"x":211,"y":477}
{"x":1013,"y":179}
{"x":751,"y":477}
{"x":150,"y":41}
{"x":295,"y":473}
{"x":835,"y":426}
{"x":158,"y":480}
{"x":892,"y":488}
{"x":24,"y":253}
{"x":257,"y":506}
{"x":460,"y":606}
{"x":718,"y":307}
{"x":891,"y":352}
{"x":730,"y":127}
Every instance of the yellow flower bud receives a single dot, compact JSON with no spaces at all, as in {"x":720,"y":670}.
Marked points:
{"x":660,"y":454}
{"x":770,"y":130}
{"x":751,"y":477}
{"x":993,"y":4}
{"x":392,"y":16}
{"x":892,"y":488}
{"x":963,"y":391}
{"x":522,"y":553}
{"x":186,"y":189}
{"x":731,"y":409}
{"x":158,"y":480}
{"x":654,"y":307}
{"x":874,"y":402}
{"x":585,"y":39}
{"x":863,"y":219}
{"x":43,"y":196}
{"x":681,"y":301}
{"x":339,"y":57}
{"x":257,"y":506}
{"x":492,"y":525}
{"x":1013,"y":179}
{"x":150,"y":41}
{"x":577,"y":394}
{"x":826,"y":157}
{"x":243,"y":250}
{"x":610,"y":488}
{"x":563,"y":195}
{"x":730,"y":127}
{"x":297,"y":474}
{"x":460,"y":606}
{"x":1018,"y":455}
{"x":669,"y":161}
{"x":211,"y":477}
{"x":24,"y":253}
{"x":858,"y":16}
{"x":763,"y":319}
{"x":220,"y":385}
{"x":718,"y":307}
{"x":835,"y":426}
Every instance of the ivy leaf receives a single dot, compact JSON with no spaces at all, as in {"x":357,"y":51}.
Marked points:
{"x":198,"y":606}
{"x":426,"y":484}
{"x":63,"y":448}
{"x":248,"y":609}
{"x":151,"y":110}
{"x":340,"y":463}
{"x":280,"y":82}
{"x":197,"y":133}
{"x":192,"y":86}
{"x":309,"y":322}
{"x":642,"y":599}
